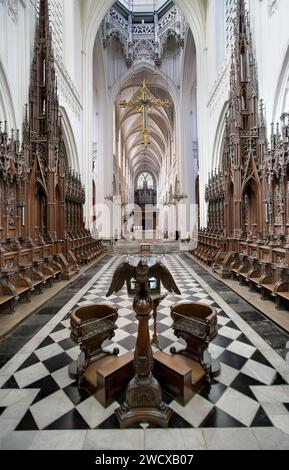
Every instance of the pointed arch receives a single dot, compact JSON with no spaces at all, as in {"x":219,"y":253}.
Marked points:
{"x":282,"y":90}
{"x":252,"y":207}
{"x":69,"y":140}
{"x":7,"y":110}
{"x":218,"y":146}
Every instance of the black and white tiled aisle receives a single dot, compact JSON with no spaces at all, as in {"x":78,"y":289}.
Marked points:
{"x":247,"y":406}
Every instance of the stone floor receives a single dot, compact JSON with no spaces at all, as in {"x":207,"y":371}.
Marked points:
{"x":247,"y":406}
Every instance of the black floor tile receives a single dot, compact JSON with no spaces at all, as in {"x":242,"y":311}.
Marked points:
{"x":213,"y":392}
{"x":46,"y":342}
{"x":32,"y":359}
{"x":57,"y":362}
{"x":127,"y":343}
{"x":71,"y":420}
{"x":11,"y":383}
{"x":164,"y":342}
{"x":47,"y":386}
{"x":131,"y":327}
{"x":112,"y":423}
{"x":258,"y":357}
{"x":2,"y":408}
{"x":231,"y":324}
{"x":131,"y":316}
{"x":27,"y":423}
{"x":279,"y":380}
{"x":222,"y":341}
{"x":177,"y":421}
{"x":244,"y":339}
{"x":160,"y":327}
{"x":48,"y":310}
{"x":261,"y":419}
{"x":219,"y":419}
{"x":222,"y":314}
{"x":262,"y":327}
{"x":66,"y":344}
{"x":233,"y":360}
{"x":250,"y":315}
{"x":58,"y":327}
{"x":242,"y":384}
{"x":276,"y":340}
{"x":75,"y":394}
{"x":4,"y":358}
{"x":11,"y":345}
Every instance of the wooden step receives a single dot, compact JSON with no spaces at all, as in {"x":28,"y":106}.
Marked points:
{"x":179,"y":375}
{"x":107,"y":377}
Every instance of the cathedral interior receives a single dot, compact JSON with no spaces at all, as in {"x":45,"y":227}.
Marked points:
{"x":144,"y":225}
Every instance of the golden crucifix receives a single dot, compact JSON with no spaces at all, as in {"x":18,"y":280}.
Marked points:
{"x":144,"y":104}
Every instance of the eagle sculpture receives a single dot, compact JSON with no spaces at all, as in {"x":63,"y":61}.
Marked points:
{"x":142,"y":272}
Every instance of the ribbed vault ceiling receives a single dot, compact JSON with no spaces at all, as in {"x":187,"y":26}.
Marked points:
{"x":129,"y":123}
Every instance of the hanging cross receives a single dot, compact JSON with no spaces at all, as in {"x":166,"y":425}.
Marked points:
{"x":144,"y":104}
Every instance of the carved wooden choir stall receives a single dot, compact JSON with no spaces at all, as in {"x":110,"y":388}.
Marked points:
{"x":41,"y":211}
{"x":247,"y":236}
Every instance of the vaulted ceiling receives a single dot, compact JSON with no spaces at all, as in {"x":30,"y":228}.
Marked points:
{"x":130,"y":124}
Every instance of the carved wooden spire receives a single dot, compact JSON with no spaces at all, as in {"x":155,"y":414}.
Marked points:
{"x":43,"y":98}
{"x":243,"y":83}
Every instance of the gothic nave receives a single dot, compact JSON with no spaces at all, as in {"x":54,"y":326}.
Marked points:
{"x":144,"y":234}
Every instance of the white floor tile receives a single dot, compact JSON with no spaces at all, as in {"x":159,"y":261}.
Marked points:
{"x":242,"y":349}
{"x":230,"y":439}
{"x":60,"y":335}
{"x":124,"y":439}
{"x":216,"y":350}
{"x":73,"y":352}
{"x":231,"y":333}
{"x":193,"y":439}
{"x":272,"y":393}
{"x":93,"y":412}
{"x":61,"y":377}
{"x":20,"y":440}
{"x":51,"y":408}
{"x":259,"y":371}
{"x":238,"y":405}
{"x":195,"y":411}
{"x":167,"y":439}
{"x":31,"y":374}
{"x":271,"y":439}
{"x":18,"y":409}
{"x":58,"y":440}
{"x":48,"y":351}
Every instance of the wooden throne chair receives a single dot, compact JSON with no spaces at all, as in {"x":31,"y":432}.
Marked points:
{"x":91,"y":325}
{"x":196,"y":323}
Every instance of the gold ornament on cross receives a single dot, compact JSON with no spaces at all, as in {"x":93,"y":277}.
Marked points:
{"x":144,"y":104}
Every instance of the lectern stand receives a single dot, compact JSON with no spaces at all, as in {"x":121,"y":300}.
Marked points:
{"x":143,"y":399}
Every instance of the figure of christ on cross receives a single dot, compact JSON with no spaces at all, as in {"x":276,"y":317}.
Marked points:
{"x":144,"y":104}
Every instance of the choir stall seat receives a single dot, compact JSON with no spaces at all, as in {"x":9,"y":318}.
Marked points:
{"x":196,"y":323}
{"x":91,"y":325}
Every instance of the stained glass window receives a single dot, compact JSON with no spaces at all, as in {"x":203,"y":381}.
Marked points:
{"x":145,"y":181}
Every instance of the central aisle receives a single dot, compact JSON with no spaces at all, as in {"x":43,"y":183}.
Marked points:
{"x":41,"y":407}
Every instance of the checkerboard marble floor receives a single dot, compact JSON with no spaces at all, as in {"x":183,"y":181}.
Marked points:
{"x":247,"y":406}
